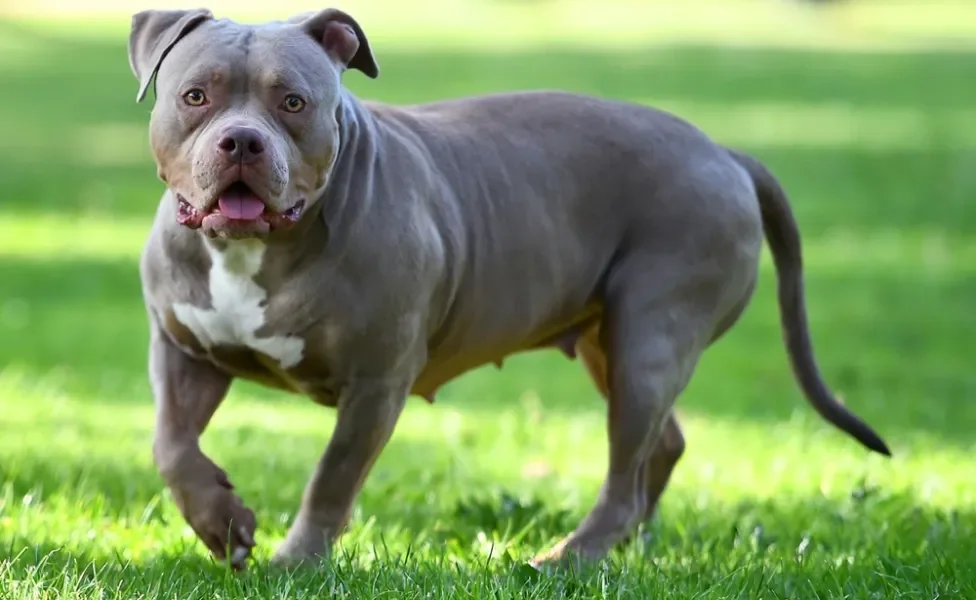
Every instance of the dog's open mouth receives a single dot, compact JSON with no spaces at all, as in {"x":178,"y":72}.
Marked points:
{"x":238,"y":212}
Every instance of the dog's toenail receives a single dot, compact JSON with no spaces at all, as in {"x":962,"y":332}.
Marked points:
{"x":245,"y":535}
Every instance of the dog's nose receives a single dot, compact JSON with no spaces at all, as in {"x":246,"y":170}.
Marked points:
{"x":241,"y":144}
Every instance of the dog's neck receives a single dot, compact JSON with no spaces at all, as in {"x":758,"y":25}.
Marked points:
{"x":348,"y":195}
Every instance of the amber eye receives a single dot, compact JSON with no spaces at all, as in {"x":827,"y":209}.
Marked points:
{"x":293,"y":104}
{"x":195,"y":97}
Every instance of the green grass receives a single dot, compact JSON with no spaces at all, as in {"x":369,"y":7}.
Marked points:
{"x":875,"y":149}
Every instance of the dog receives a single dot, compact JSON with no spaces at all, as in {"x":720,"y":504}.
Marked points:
{"x":360,"y":253}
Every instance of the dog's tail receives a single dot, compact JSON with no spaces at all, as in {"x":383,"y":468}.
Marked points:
{"x":783,"y":237}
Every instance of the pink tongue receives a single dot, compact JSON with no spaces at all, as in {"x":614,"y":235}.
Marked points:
{"x":244,"y":207}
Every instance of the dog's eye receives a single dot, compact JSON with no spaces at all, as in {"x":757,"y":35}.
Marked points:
{"x":293,"y":104}
{"x":195,"y":97}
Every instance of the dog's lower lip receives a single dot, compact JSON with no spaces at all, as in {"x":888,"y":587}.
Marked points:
{"x":186,"y":214}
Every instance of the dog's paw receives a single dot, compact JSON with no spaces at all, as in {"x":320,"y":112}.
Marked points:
{"x":566,"y":556}
{"x":550,"y":560}
{"x":222,"y":523}
{"x":304,"y":545}
{"x":289,"y":557}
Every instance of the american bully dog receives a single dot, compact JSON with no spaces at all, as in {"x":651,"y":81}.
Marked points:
{"x":360,"y":253}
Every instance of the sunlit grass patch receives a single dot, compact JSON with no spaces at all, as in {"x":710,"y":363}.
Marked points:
{"x":451,"y":500}
{"x":62,"y":237}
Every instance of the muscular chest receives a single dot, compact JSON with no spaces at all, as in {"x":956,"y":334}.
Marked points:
{"x":235,"y":325}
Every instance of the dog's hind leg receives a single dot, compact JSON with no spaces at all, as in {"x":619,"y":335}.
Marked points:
{"x":653,"y":336}
{"x":670,"y":446}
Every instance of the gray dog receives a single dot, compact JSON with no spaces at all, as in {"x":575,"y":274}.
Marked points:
{"x":360,"y":253}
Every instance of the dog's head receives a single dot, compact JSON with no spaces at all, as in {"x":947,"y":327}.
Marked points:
{"x":244,"y":129}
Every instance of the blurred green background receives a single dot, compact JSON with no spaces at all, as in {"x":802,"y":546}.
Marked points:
{"x":865,"y":110}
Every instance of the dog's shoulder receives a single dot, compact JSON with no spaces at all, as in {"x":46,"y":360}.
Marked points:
{"x":173,"y":261}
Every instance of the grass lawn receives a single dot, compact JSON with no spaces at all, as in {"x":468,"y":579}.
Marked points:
{"x":876,"y":148}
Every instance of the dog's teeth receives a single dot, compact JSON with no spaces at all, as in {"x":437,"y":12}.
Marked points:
{"x":294,"y":212}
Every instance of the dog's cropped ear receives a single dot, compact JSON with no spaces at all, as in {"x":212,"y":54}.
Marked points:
{"x":343,"y":40}
{"x":153,"y":34}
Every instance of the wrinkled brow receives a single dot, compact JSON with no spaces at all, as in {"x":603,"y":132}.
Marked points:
{"x":206,"y":76}
{"x":284,"y":79}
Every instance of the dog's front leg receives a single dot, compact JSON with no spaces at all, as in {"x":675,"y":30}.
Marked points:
{"x":367,"y":414}
{"x":187,"y":393}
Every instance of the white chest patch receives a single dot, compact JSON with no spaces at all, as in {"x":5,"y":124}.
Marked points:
{"x":238,"y":306}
